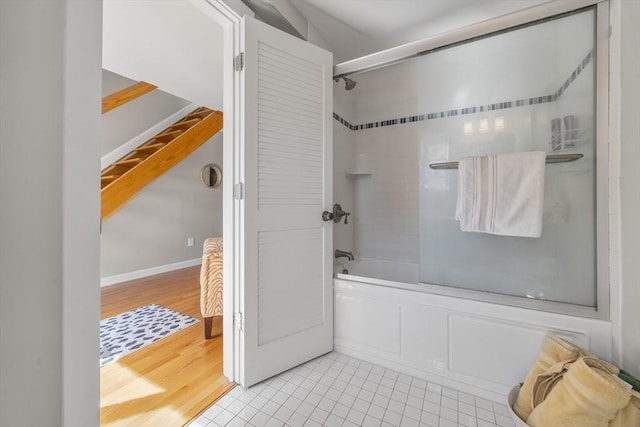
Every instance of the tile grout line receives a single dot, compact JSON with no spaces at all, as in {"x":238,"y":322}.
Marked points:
{"x":351,"y":376}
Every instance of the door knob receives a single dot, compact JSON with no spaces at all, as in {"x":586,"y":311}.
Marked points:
{"x":327,"y":216}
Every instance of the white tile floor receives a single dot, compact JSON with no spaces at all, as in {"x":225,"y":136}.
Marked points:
{"x":337,"y":390}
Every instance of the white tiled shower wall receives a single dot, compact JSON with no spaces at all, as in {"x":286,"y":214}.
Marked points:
{"x":385,"y":204}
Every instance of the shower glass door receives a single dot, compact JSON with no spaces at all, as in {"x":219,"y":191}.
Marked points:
{"x":527,"y":89}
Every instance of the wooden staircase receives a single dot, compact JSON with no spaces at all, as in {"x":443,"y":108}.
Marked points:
{"x":125,"y":95}
{"x":126,"y":177}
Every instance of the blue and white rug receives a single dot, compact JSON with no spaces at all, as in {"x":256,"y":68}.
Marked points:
{"x":127,"y":332}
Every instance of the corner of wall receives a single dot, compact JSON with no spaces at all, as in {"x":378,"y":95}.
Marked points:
{"x":624,"y":204}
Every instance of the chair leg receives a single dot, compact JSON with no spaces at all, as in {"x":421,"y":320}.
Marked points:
{"x":208,"y":326}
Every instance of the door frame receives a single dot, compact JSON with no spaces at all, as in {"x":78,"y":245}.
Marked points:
{"x":229,"y":21}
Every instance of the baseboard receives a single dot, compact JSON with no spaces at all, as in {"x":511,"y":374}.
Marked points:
{"x":119,"y":278}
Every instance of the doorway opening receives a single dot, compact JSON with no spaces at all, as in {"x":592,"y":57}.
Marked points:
{"x":174,"y":379}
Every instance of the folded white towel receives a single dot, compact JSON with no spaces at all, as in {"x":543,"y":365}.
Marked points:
{"x":502,"y":194}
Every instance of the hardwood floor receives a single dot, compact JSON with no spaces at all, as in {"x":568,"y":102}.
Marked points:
{"x":171,"y":381}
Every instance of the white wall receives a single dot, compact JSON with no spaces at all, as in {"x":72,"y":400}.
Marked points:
{"x":169,"y":43}
{"x":173,"y":45}
{"x":49,"y":212}
{"x":149,"y":233}
{"x":386,"y":224}
{"x":151,"y":230}
{"x":346,"y":43}
{"x":314,"y":37}
{"x":627,"y":91}
{"x":128,"y":120}
{"x":386,"y":203}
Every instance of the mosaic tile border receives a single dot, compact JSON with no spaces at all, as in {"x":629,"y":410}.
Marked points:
{"x":524,"y":102}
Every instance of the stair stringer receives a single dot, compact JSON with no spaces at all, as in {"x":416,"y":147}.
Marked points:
{"x":116,"y":193}
{"x":126,"y":148}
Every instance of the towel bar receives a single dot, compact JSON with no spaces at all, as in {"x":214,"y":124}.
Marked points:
{"x":552,"y":158}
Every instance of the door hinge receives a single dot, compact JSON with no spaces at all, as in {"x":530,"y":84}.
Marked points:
{"x":238,"y":321}
{"x":238,"y":191}
{"x":238,"y":62}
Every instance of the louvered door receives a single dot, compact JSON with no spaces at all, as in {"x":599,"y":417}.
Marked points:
{"x":287,"y":283}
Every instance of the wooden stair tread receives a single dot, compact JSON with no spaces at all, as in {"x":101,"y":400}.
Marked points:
{"x":150,"y":147}
{"x":125,"y":95}
{"x":197,"y":112}
{"x":126,"y":162}
{"x":171,"y":134}
{"x":114,"y":170}
{"x":190,"y":122}
{"x":147,"y":162}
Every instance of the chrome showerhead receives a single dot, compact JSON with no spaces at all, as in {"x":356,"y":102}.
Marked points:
{"x":348,"y":83}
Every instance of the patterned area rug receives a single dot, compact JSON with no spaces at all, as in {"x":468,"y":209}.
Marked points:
{"x":127,"y":332}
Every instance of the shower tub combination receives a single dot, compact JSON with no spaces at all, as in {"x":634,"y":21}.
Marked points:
{"x":469,"y":310}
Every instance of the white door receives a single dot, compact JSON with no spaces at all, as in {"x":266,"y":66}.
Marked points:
{"x":286,"y":279}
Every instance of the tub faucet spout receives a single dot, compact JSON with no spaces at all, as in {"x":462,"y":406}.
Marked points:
{"x":338,"y":254}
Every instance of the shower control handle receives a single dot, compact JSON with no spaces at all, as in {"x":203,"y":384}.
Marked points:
{"x":338,"y":213}
{"x":327,"y":216}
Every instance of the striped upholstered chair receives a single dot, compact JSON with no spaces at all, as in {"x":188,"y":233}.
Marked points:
{"x":211,"y":286}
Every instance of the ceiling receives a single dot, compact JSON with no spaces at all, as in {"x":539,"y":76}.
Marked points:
{"x":354,"y":28}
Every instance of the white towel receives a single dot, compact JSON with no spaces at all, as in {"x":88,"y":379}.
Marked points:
{"x":502,"y":194}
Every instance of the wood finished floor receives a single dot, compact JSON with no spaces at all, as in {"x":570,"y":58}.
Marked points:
{"x":171,"y":381}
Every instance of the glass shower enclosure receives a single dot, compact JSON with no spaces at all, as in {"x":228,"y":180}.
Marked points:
{"x":532,"y":87}
{"x":528,"y":89}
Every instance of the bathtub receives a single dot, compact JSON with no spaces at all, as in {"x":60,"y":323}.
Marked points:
{"x":384,"y":316}
{"x":390,"y":273}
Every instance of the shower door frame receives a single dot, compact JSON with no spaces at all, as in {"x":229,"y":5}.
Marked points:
{"x":530,"y":16}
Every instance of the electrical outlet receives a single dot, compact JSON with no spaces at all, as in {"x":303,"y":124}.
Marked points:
{"x":190,"y":241}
